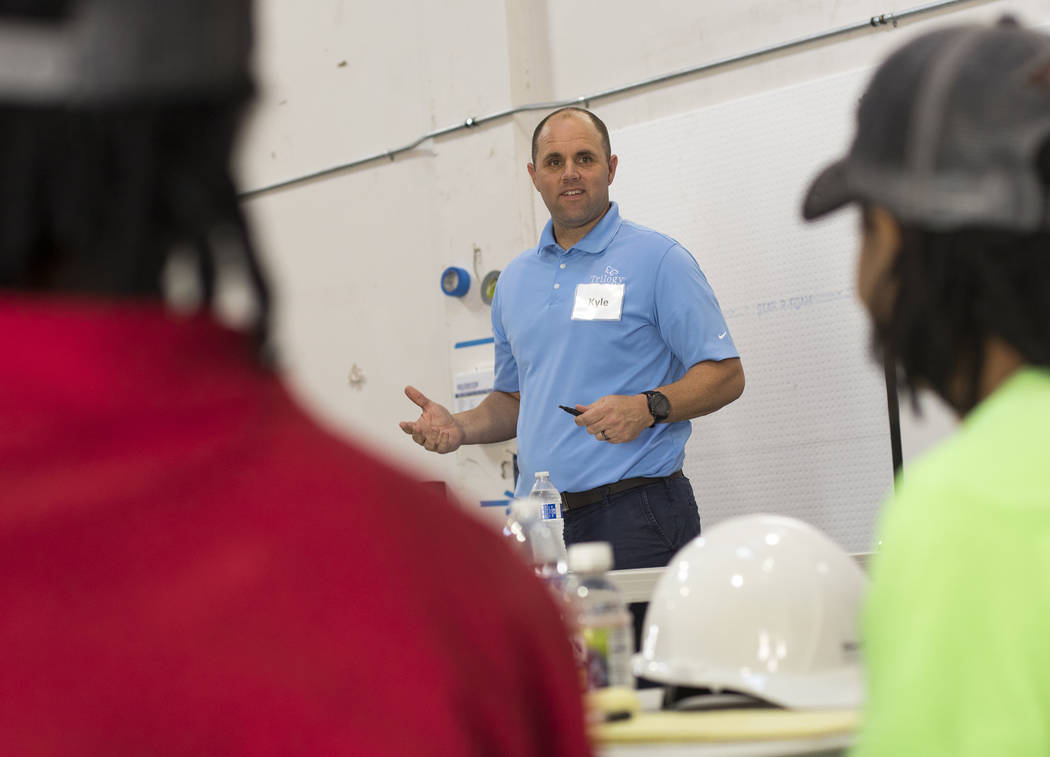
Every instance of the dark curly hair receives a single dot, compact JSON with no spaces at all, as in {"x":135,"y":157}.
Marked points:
{"x":957,"y":289}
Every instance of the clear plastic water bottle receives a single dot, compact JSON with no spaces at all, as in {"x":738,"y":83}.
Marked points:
{"x":603,"y":622}
{"x":538,"y":543}
{"x":547,"y":497}
{"x":548,"y":504}
{"x":549,"y":559}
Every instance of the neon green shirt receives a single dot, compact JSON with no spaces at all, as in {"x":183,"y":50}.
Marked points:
{"x":957,"y":624}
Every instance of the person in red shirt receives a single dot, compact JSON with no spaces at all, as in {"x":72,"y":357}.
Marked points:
{"x":188,"y":564}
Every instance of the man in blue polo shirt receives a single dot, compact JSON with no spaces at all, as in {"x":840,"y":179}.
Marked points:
{"x":617,"y":321}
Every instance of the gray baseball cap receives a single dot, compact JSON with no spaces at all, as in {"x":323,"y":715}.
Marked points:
{"x":948,"y":133}
{"x":115,"y":50}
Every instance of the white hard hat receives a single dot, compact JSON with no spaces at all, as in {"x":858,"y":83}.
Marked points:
{"x":764,"y":605}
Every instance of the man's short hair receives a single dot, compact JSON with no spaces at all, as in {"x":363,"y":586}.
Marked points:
{"x":603,"y":131}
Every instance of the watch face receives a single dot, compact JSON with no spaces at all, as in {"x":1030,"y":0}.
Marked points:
{"x":659,"y":406}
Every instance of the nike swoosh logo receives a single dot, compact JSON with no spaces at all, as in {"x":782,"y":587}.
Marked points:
{"x":723,"y":335}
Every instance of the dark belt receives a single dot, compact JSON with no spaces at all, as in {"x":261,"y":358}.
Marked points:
{"x":572,"y":500}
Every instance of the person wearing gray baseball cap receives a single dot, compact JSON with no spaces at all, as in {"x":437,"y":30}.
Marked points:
{"x":950,"y":167}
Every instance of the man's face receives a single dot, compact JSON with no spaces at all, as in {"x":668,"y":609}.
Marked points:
{"x":571,"y":171}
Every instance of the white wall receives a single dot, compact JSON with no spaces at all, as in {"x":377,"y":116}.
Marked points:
{"x":357,"y":256}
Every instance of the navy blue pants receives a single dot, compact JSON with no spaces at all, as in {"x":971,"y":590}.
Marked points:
{"x":646,"y":527}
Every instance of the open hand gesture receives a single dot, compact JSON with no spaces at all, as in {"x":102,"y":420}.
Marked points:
{"x":436,"y":429}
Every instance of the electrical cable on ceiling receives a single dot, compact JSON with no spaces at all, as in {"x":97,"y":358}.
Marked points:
{"x":877,"y":21}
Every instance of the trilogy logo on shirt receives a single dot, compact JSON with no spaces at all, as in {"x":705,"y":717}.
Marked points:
{"x":611,"y":276}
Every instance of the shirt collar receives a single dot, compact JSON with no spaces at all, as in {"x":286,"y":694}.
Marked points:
{"x":597,"y":239}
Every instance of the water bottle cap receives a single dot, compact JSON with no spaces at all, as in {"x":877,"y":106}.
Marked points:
{"x":590,"y":557}
{"x":540,"y":473}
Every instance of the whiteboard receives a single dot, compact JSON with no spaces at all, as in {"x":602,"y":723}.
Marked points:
{"x":810,"y":435}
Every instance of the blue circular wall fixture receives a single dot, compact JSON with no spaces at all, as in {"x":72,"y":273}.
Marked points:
{"x":455,"y":281}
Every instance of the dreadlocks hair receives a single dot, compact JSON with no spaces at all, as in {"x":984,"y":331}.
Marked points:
{"x":94,"y":200}
{"x":95,"y":197}
{"x":957,"y":289}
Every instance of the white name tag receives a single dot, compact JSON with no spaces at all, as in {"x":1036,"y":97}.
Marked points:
{"x":598,"y":302}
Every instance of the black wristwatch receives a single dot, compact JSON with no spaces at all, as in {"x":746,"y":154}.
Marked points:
{"x":659,"y":406}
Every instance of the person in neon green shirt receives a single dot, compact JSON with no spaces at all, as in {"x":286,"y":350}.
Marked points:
{"x":950,"y":166}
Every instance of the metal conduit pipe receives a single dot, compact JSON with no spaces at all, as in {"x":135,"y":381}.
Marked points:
{"x":874,"y":22}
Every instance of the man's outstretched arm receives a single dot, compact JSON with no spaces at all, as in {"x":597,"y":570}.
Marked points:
{"x":438,"y":430}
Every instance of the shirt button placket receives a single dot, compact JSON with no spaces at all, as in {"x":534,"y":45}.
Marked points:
{"x":555,"y":296}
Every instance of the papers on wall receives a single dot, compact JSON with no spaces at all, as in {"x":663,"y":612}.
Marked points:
{"x":471,"y":387}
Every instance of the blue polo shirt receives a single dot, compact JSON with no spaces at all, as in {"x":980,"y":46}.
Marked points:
{"x":657,"y":316}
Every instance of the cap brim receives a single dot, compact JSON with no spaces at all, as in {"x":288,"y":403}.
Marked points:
{"x":829,"y":191}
